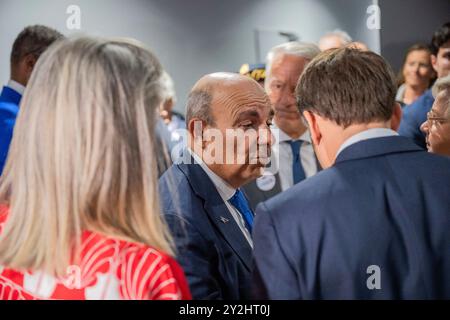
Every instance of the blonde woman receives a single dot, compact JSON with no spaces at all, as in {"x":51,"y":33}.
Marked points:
{"x":80,"y":216}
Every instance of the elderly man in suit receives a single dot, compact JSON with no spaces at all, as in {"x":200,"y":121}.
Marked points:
{"x":228,"y":118}
{"x":437,"y":125}
{"x":293,"y":158}
{"x":27,"y":48}
{"x":372,"y":225}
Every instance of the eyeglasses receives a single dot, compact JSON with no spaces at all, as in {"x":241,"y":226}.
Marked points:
{"x":432,"y":119}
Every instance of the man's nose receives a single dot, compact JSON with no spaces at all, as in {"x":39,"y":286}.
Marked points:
{"x":288,"y":98}
{"x":266,"y":137}
{"x":424,"y":127}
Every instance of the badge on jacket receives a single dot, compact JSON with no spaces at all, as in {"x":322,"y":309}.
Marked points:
{"x":266,"y":182}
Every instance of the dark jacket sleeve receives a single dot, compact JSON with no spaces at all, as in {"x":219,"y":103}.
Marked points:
{"x":197,"y":256}
{"x":273,"y":275}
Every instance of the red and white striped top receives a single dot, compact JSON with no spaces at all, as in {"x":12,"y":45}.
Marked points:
{"x":108,"y":269}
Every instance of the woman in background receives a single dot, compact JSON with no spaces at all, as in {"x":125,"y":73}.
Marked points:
{"x":80,"y":217}
{"x":416,"y":74}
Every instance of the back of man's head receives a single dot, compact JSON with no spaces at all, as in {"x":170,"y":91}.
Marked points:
{"x":30,"y":44}
{"x":348,"y":86}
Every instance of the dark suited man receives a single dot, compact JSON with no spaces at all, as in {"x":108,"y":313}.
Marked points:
{"x":207,"y":212}
{"x":293,"y":158}
{"x":26,"y":50}
{"x":372,"y":225}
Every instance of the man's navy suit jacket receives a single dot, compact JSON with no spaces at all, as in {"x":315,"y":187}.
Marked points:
{"x":212,"y":250}
{"x":9,"y":108}
{"x":384,"y":204}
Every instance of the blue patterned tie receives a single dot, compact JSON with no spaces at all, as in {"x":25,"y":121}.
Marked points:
{"x":297,"y":169}
{"x":240,"y":203}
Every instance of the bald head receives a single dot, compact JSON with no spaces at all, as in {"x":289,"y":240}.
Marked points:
{"x":334,"y":39}
{"x":228,"y":118}
{"x":220,"y":90}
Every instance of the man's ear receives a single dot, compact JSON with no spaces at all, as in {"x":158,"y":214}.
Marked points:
{"x":196,"y":128}
{"x":316,"y":134}
{"x":396,"y":117}
{"x":433,"y":62}
{"x":30,"y":62}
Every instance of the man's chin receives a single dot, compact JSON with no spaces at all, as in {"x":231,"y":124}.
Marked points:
{"x":256,"y":171}
{"x":260,"y":162}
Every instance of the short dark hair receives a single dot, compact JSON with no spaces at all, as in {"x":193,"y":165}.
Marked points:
{"x":440,"y":37}
{"x":33,"y":40}
{"x":348,"y":86}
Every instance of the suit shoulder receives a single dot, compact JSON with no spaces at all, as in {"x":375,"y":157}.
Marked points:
{"x":176,"y":194}
{"x":430,"y":162}
{"x":308,"y":193}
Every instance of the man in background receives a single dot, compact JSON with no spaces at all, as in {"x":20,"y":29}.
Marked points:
{"x":334,"y":39}
{"x":293,"y":157}
{"x":26,"y":50}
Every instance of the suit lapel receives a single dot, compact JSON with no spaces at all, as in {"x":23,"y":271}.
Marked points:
{"x":221,"y":217}
{"x":217,"y":211}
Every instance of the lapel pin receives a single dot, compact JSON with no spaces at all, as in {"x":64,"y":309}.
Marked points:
{"x":224,"y":220}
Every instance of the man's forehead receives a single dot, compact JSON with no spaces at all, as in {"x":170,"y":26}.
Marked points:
{"x":442,"y":101}
{"x":237,"y":99}
{"x":287,"y":64}
{"x":284,"y":57}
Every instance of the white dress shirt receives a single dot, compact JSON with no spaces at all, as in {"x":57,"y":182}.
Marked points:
{"x":366,"y":135}
{"x":226,"y":192}
{"x":16,"y":86}
{"x":283,"y":152}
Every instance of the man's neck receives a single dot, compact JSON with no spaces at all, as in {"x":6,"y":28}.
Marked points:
{"x":232,"y":182}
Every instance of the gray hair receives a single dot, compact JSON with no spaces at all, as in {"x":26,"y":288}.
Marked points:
{"x":441,"y":85}
{"x":168,"y":87}
{"x":301,"y":49}
{"x":344,"y":36}
{"x":199,"y":106}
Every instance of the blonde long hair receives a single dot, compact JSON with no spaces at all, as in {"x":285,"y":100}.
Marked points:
{"x":83,"y":154}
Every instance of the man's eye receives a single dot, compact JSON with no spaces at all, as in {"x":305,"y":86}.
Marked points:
{"x":247,"y":125}
{"x":277,"y":85}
